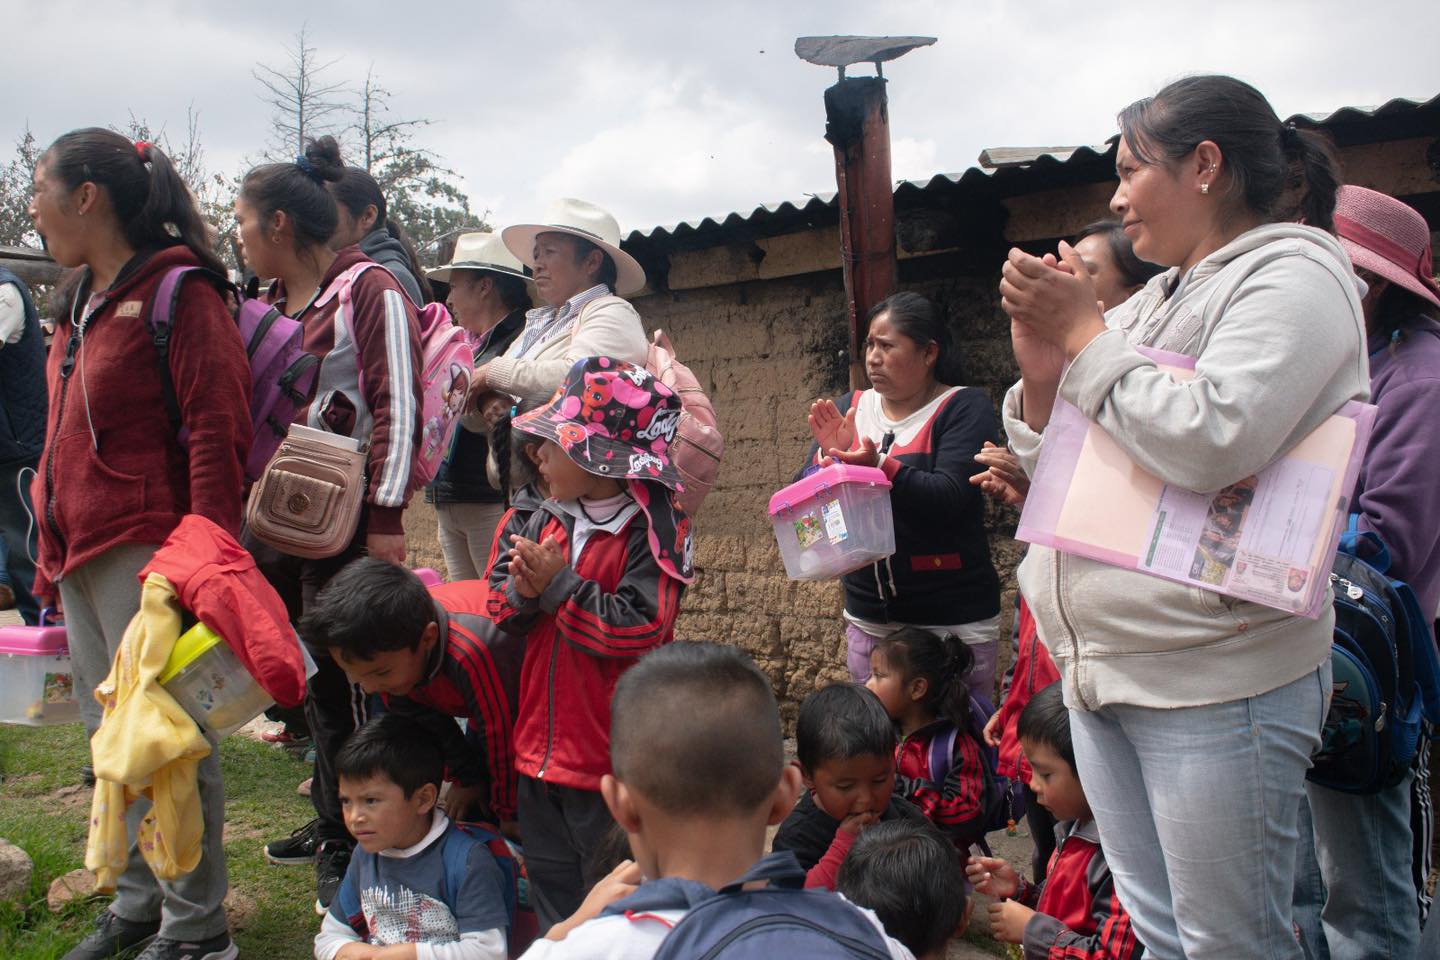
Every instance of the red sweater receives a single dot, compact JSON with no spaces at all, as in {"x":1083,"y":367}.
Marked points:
{"x":609,"y":607}
{"x":1078,"y":915}
{"x":112,"y":471}
{"x":1034,"y":670}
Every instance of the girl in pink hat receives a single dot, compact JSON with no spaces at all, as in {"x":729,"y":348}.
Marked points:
{"x":1364,"y":844}
{"x":593,"y":582}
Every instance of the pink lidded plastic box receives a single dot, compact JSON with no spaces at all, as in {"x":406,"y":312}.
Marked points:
{"x":833,"y":521}
{"x":37,"y":685}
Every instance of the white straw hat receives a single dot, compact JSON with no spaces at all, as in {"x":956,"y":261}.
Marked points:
{"x":483,"y":251}
{"x":587,"y":221}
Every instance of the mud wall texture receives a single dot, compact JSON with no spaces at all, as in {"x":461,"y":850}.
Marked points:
{"x":764,"y":350}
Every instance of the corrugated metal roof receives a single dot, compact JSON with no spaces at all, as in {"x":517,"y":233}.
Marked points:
{"x":1046,"y":171}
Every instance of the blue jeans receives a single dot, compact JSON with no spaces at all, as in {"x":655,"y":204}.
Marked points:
{"x":1197,"y":811}
{"x":1362,"y":849}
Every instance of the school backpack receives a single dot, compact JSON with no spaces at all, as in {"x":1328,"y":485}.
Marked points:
{"x":511,"y":860}
{"x":698,"y":445}
{"x":782,"y":919}
{"x":282,"y":374}
{"x":446,"y":364}
{"x":1004,"y":798}
{"x":1386,"y":673}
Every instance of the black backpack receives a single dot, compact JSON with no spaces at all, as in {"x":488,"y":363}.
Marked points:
{"x":1386,"y":673}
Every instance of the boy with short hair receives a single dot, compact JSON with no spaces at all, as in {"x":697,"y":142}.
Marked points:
{"x":1075,"y":914}
{"x":845,"y":753}
{"x":433,"y":654}
{"x":908,"y":873}
{"x":699,"y":773}
{"x":418,"y":888}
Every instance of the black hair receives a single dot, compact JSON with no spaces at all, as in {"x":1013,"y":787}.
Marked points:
{"x":417,"y":270}
{"x":910,"y":875}
{"x":513,"y":468}
{"x":839,"y":722}
{"x":1397,"y":310}
{"x":612,"y":850}
{"x":514,"y":292}
{"x":695,"y":730}
{"x":608,"y":272}
{"x":298,"y":188}
{"x":152,"y":203}
{"x":398,"y":748}
{"x":1279,"y":172}
{"x":1046,"y":721}
{"x":917,"y":317}
{"x":369,"y":607}
{"x":1134,"y":272}
{"x":943,"y":660}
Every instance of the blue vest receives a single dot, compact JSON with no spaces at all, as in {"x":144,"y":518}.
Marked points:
{"x":23,"y":398}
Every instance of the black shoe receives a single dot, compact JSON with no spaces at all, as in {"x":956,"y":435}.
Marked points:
{"x":297,"y":848}
{"x":87,"y":775}
{"x":331,"y":861}
{"x":216,"y":948}
{"x":113,"y":936}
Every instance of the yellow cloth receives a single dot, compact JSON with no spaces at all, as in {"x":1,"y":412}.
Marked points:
{"x":147,"y":745}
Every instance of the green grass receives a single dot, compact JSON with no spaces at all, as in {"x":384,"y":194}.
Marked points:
{"x":43,"y":812}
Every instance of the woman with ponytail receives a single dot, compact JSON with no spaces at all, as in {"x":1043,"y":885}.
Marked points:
{"x":365,"y":332}
{"x":114,"y":480}
{"x":1194,"y":714}
{"x":920,"y":678}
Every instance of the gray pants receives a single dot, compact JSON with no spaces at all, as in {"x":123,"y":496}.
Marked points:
{"x":466,"y":533}
{"x":100,"y":598}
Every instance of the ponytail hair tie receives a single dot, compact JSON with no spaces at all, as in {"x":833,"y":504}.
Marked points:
{"x":1289,"y":134}
{"x":307,"y":168}
{"x":141,"y":146}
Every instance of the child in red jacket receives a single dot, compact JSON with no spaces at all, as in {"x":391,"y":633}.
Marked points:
{"x":593,"y":582}
{"x":1075,"y":914}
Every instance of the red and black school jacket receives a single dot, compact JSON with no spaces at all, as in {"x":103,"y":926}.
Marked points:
{"x":952,"y":791}
{"x":473,"y":672}
{"x":1034,"y":670}
{"x":1078,"y":915}
{"x":609,"y":607}
{"x":941,"y":571}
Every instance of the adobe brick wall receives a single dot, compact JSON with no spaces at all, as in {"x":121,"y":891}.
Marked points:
{"x":764,"y":350}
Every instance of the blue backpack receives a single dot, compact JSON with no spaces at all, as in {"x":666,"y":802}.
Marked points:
{"x":782,"y":919}
{"x":1386,"y":673}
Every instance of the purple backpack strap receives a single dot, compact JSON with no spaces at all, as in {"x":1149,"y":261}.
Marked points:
{"x":160,"y":319}
{"x":942,"y":754}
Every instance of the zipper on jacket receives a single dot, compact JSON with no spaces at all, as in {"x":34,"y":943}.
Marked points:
{"x":67,"y":367}
{"x":1069,"y":627}
{"x":550,"y":708}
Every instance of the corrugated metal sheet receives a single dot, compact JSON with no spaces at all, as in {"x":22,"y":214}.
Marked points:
{"x":1046,"y":172}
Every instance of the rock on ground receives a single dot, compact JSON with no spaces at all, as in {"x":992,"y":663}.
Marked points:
{"x":16,"y":868}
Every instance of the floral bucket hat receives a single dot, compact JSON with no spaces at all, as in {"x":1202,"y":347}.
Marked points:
{"x":615,"y":420}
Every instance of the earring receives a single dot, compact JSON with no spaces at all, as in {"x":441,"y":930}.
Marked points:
{"x":1204,"y":188}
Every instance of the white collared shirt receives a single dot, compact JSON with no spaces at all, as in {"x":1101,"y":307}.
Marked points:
{"x":547,"y":322}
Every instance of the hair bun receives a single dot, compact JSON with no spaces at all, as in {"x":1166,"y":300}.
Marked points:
{"x":324,"y":156}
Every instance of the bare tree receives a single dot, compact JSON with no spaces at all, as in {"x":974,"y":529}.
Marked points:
{"x":379,"y":135}
{"x":299,"y":97}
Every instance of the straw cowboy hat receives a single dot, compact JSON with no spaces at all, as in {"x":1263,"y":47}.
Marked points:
{"x":483,"y":251}
{"x":1386,"y":237}
{"x":587,"y":221}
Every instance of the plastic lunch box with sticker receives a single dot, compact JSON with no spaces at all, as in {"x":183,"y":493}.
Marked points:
{"x":833,"y":521}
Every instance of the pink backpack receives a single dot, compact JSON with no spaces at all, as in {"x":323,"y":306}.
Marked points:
{"x":698,"y":446}
{"x":446,"y":364}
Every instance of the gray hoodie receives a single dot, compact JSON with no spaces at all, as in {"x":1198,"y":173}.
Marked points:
{"x":390,"y":253}
{"x":1274,"y":322}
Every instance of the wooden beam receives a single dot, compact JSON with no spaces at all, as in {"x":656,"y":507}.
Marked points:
{"x":992,"y":158}
{"x":32,"y":266}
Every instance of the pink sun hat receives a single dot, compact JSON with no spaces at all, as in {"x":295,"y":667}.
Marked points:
{"x":1388,"y":238}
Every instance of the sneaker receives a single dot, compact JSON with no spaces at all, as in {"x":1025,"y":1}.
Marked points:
{"x":297,"y":848}
{"x":113,"y":935}
{"x":216,"y":948}
{"x":87,"y":775}
{"x":283,"y":736}
{"x":304,"y":788}
{"x":331,"y":861}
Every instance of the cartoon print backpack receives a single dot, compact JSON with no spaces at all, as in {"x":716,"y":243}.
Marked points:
{"x":698,"y":445}
{"x":1004,"y":798}
{"x":446,"y":363}
{"x":282,"y":374}
{"x":1386,"y":673}
{"x":782,"y":919}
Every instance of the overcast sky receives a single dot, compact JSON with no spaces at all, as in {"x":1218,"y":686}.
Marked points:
{"x":669,"y":111}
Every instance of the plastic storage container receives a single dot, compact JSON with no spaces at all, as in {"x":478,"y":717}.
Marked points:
{"x":37,"y":686}
{"x":209,"y":681}
{"x":835,"y":520}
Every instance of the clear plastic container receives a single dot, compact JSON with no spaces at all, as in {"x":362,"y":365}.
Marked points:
{"x":37,"y":685}
{"x":209,"y":681}
{"x":836,"y":520}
